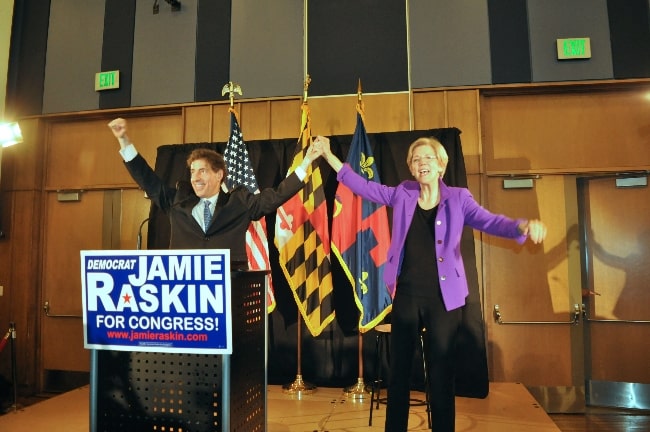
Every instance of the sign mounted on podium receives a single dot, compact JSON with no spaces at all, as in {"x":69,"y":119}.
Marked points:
{"x":175,"y":301}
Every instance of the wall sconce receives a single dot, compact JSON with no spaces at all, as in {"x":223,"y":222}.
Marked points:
{"x":10,"y":134}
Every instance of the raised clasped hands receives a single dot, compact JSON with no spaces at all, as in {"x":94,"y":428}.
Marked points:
{"x":323,"y":144}
{"x":314,"y":151}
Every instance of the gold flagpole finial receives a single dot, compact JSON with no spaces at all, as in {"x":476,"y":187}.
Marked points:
{"x":359,"y":92}
{"x":305,"y":88}
{"x":359,"y":99}
{"x":231,"y":88}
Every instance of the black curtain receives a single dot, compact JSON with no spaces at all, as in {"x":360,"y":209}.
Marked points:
{"x":331,"y":359}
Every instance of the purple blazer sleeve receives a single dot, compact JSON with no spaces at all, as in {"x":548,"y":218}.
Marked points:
{"x":457,"y":208}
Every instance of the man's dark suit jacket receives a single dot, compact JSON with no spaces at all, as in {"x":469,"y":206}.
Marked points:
{"x":232,"y":215}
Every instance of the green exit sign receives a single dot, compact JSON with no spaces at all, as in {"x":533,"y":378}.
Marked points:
{"x":107,"y":80}
{"x":573,"y":48}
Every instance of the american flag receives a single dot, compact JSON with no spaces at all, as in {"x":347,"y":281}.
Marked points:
{"x":240,"y":172}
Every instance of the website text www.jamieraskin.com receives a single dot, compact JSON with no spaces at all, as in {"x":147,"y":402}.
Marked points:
{"x":165,"y":328}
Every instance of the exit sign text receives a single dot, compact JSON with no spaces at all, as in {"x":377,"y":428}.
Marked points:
{"x":573,"y":48}
{"x":107,"y":80}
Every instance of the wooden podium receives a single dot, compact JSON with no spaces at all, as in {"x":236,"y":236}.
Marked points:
{"x":148,"y":391}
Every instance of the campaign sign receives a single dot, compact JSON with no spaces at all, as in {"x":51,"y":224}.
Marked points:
{"x":175,"y":301}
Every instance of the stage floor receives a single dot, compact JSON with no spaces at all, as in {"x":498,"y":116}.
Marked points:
{"x":508,"y":407}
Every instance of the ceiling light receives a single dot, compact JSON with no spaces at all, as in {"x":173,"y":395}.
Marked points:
{"x":10,"y":134}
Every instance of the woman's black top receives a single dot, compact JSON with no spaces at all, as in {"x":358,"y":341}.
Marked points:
{"x":419,"y":272}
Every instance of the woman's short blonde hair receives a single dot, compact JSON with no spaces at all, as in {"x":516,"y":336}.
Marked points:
{"x":438,"y":150}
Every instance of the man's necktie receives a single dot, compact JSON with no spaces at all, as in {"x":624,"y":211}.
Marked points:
{"x":207,"y":216}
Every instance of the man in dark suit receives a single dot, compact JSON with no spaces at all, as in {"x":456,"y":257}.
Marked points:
{"x":204,"y":216}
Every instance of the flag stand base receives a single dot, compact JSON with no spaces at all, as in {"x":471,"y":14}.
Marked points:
{"x":14,"y":408}
{"x":357,"y":391}
{"x":299,"y":387}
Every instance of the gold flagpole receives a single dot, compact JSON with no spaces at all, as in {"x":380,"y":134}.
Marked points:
{"x":298,"y":387}
{"x":358,"y":391}
{"x":231,"y":88}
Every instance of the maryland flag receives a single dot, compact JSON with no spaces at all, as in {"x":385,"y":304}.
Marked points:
{"x":301,"y":236}
{"x":360,"y":236}
{"x":240,"y":172}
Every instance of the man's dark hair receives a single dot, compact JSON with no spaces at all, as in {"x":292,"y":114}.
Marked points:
{"x":214,"y":159}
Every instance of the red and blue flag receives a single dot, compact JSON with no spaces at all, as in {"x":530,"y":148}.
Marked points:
{"x":360,"y":236}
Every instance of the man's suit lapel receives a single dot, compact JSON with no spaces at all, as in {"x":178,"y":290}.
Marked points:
{"x":222,"y":199}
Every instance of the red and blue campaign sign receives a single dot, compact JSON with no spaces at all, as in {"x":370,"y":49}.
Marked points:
{"x":175,"y":301}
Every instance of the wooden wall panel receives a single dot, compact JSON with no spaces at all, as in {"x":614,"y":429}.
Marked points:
{"x":220,"y":122}
{"x":567,"y":132}
{"x":254,"y":119}
{"x":84,"y":154}
{"x":19,"y":251}
{"x":285,"y":118}
{"x":20,"y":277}
{"x":463,"y":113}
{"x":338,"y":116}
{"x":429,"y":110}
{"x":334,"y":116}
{"x":386,"y":112}
{"x":6,"y":306}
{"x":452,"y":108}
{"x":150,"y":132}
{"x":197,"y":125}
{"x":134,"y":209}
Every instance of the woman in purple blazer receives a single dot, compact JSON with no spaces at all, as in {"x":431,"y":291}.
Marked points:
{"x":424,"y":272}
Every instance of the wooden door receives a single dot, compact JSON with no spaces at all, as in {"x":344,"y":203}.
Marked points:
{"x":98,"y":220}
{"x":531,"y":294}
{"x":71,"y":226}
{"x":616,"y":277}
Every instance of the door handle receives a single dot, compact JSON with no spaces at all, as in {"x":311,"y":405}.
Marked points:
{"x":46,"y":308}
{"x":575,"y":318}
{"x":586,"y":318}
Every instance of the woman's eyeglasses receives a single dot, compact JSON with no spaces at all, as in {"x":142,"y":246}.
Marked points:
{"x":427,"y":159}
